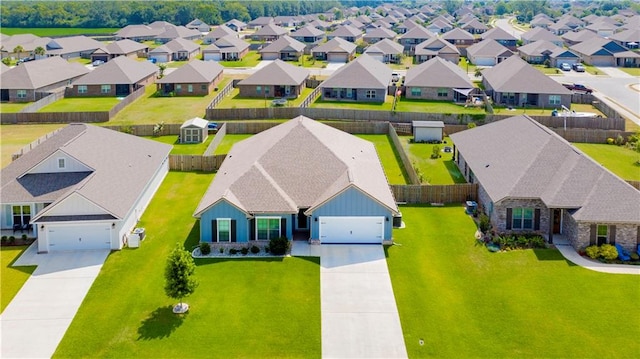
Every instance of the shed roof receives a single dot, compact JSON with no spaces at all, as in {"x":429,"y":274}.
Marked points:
{"x":195,"y":122}
{"x":428,"y":124}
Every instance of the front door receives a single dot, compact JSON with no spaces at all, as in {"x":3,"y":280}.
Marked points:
{"x":557,"y":221}
{"x":302,"y":219}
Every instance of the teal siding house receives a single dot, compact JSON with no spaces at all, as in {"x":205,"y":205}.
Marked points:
{"x":301,"y":178}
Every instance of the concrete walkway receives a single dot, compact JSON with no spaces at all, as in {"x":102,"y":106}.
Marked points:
{"x":359,"y":314}
{"x":615,"y":72}
{"x":38,"y":316}
{"x":571,"y":255}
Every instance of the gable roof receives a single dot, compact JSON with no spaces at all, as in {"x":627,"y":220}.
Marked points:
{"x":516,"y":75}
{"x":417,"y":32}
{"x":536,"y":48}
{"x":125,"y":46}
{"x":120,"y":70}
{"x":271,"y":29}
{"x":196,"y":71}
{"x":380,"y":32}
{"x":435,"y":46}
{"x":220,"y":31}
{"x":284,"y":43}
{"x":337,"y":44}
{"x":176,"y":45}
{"x":346,"y":31}
{"x":121,"y":166}
{"x":593,"y":45}
{"x":540,"y":33}
{"x":176,"y":32}
{"x":195,"y":122}
{"x":307,"y":31}
{"x":527,"y":160}
{"x":277,"y":73}
{"x":29,"y":42}
{"x":254,"y":179}
{"x":579,"y":36}
{"x":497,"y":33}
{"x":130,"y":31}
{"x":437,"y":72}
{"x":457,"y":34}
{"x":474,"y":24}
{"x":630,"y":35}
{"x":67,"y":45}
{"x":229,"y":43}
{"x":40,"y":73}
{"x":385,"y":46}
{"x":488,"y":47}
{"x":363,"y":72}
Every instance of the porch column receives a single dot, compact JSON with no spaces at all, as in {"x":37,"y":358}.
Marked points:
{"x":551,"y":221}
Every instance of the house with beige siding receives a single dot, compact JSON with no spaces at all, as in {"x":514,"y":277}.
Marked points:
{"x":276,"y":80}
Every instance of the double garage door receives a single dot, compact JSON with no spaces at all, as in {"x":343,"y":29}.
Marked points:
{"x":351,"y":229}
{"x":65,"y":238}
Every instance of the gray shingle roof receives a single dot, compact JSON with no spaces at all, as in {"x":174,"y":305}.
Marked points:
{"x":125,"y":46}
{"x":40,"y":73}
{"x":271,"y":29}
{"x":335,"y":45}
{"x":631,"y":35}
{"x":380,"y":32}
{"x":177,"y":32}
{"x":67,"y":45}
{"x":277,"y":73}
{"x":346,"y":31}
{"x":176,"y":45}
{"x":195,"y":71}
{"x":365,"y":72}
{"x":536,"y":48}
{"x":298,"y":164}
{"x":516,"y":75}
{"x":29,"y":42}
{"x":457,"y":34}
{"x":308,"y":31}
{"x":121,"y":70}
{"x":385,"y":46}
{"x":437,"y":72}
{"x":579,"y":36}
{"x":284,"y":43}
{"x":220,"y":31}
{"x":497,"y":33}
{"x":593,"y":45}
{"x":134,"y":31}
{"x":121,"y":164}
{"x":527,"y":160}
{"x":540,"y":33}
{"x":229,"y":43}
{"x":435,"y":46}
{"x":487,"y":47}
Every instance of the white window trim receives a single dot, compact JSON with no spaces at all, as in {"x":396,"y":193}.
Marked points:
{"x":522,"y":219}
{"x":606,"y":240}
{"x":269,"y":217}
{"x":105,"y":87}
{"x":21,"y":93}
{"x":22,"y":214}
{"x":218,"y":220}
{"x":82,"y":88}
{"x":62,"y":160}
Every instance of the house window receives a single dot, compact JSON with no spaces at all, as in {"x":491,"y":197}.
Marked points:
{"x":189,"y":88}
{"x":443,"y":92}
{"x":266,"y":90}
{"x":602,"y":234}
{"x":203,"y":87}
{"x":370,"y":94}
{"x":61,"y":163}
{"x":258,"y":90}
{"x":178,"y":88}
{"x":224,"y":229}
{"x":82,"y":88}
{"x":21,"y":215}
{"x":267,"y":228}
{"x":554,"y":100}
{"x":105,"y":89}
{"x":21,"y":93}
{"x":416,"y":91}
{"x":349,"y":93}
{"x":522,"y":218}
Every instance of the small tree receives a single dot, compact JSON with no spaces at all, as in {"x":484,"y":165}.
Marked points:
{"x":39,"y":51}
{"x":18,"y":50}
{"x":478,"y":72}
{"x":162,"y":68}
{"x":180,"y":267}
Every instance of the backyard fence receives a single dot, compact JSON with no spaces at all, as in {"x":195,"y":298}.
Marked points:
{"x":168,"y":129}
{"x":188,"y":163}
{"x":34,"y":107}
{"x":126,"y":101}
{"x":311,"y":98}
{"x":635,"y":184}
{"x":219,"y":97}
{"x":32,"y":145}
{"x":455,"y":193}
{"x":217,"y":139}
{"x":404,"y":158}
{"x":581,"y":135}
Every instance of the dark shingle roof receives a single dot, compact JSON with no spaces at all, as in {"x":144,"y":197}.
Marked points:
{"x":277,"y":73}
{"x":121,"y":70}
{"x":364,"y":72}
{"x":515,"y":75}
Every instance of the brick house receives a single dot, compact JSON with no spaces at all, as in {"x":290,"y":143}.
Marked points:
{"x":119,"y":77}
{"x":363,"y":80}
{"x":437,"y":79}
{"x":197,"y":78}
{"x":278,"y":79}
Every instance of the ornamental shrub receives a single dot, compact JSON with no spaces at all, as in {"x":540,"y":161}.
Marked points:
{"x":279,"y":246}
{"x":484,"y":224}
{"x":593,"y":252}
{"x":609,"y":252}
{"x":205,"y":248}
{"x":244,"y":251}
{"x":233,"y":251}
{"x":255,"y":249}
{"x":610,"y":141}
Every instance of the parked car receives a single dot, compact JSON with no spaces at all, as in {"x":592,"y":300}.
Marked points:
{"x":565,"y":66}
{"x":395,"y":77}
{"x":578,"y":67}
{"x":97,"y":63}
{"x":578,"y":88}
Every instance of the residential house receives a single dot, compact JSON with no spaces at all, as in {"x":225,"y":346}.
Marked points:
{"x":436,"y":47}
{"x":406,"y":26}
{"x":439,"y":26}
{"x":575,"y":37}
{"x":413,"y":37}
{"x":438,"y":79}
{"x":139,"y":33}
{"x":278,"y":79}
{"x":562,"y":55}
{"x":628,"y":38}
{"x":269,"y":32}
{"x":532,"y":180}
{"x":197,"y":78}
{"x":309,"y":35}
{"x":543,"y":21}
{"x":372,"y":36}
{"x":537,"y":52}
{"x":285,"y":48}
{"x":217,"y":33}
{"x":460,"y":39}
{"x":261,"y":190}
{"x":321,"y":25}
{"x":487,"y":53}
{"x":364,"y":19}
{"x":83,"y":188}
{"x":363,"y":80}
{"x":335,"y":50}
{"x":228,"y":48}
{"x":177,"y":32}
{"x":346,"y":32}
{"x":540,"y":33}
{"x":34,"y":80}
{"x":175,"y":50}
{"x":199,"y":25}
{"x":474,"y":27}
{"x":286,"y":21}
{"x":194,"y":130}
{"x":73,"y":47}
{"x":604,"y":52}
{"x":236,"y":25}
{"x":260,"y":22}
{"x":602,"y":29}
{"x":119,"y":77}
{"x":513,"y":82}
{"x":562,"y":27}
{"x":502,"y":37}
{"x":386,"y":51}
{"x":28,"y":42}
{"x":357,"y":24}
{"x":126,"y":47}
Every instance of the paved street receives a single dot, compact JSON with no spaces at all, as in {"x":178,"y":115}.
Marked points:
{"x":504,"y":25}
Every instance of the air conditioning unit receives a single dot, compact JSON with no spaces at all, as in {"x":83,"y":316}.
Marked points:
{"x":133,"y":240}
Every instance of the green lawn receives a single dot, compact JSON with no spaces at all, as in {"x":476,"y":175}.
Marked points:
{"x":228,"y":141}
{"x":183,"y":148}
{"x":633,"y":71}
{"x":48,"y":31}
{"x":175,"y":64}
{"x":81,"y":60}
{"x":247,"y":308}
{"x":544,"y":111}
{"x":14,"y":137}
{"x":592,"y":69}
{"x":233,"y":100}
{"x":617,"y":159}
{"x":310,"y":61}
{"x":548,"y":70}
{"x":82,"y":104}
{"x":391,"y":162}
{"x":385,"y":106}
{"x":465,"y":302}
{"x":410,"y":105}
{"x":467,"y":66}
{"x":13,"y":107}
{"x":434,"y":171}
{"x":251,"y":59}
{"x":406,"y":63}
{"x":12,"y":277}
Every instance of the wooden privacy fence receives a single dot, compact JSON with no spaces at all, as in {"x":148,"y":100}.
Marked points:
{"x":311,"y":98}
{"x":33,"y":144}
{"x":147,"y":130}
{"x":217,"y":139}
{"x":404,"y":158}
{"x":635,"y":184}
{"x":188,"y":163}
{"x":582,"y":135}
{"x":34,"y":107}
{"x":219,"y":97}
{"x":126,"y":101}
{"x":455,"y":193}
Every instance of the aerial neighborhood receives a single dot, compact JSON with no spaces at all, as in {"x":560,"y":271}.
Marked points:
{"x":319,"y":179}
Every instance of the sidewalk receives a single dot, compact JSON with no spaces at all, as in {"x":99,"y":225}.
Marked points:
{"x":571,"y":255}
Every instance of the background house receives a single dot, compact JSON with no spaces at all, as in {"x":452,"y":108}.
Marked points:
{"x":335,"y":50}
{"x":362,"y":80}
{"x":227,"y":48}
{"x":278,"y":79}
{"x":118,"y":77}
{"x":284,"y":48}
{"x":487,"y":53}
{"x":175,"y":50}
{"x":197,"y":78}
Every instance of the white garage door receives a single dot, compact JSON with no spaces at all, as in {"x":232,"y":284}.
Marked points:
{"x":351,"y":229}
{"x":64,"y":238}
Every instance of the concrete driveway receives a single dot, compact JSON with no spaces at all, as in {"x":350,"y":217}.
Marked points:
{"x":359,"y":314}
{"x":38,"y":316}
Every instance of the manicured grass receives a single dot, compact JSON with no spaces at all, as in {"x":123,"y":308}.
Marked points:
{"x":228,"y":141}
{"x":389,"y":158}
{"x":49,"y":31}
{"x":310,"y":61}
{"x":184,"y":148}
{"x":82,"y":104}
{"x":466,"y":65}
{"x":633,"y":71}
{"x":251,"y":59}
{"x":243,"y":308}
{"x":176,"y":64}
{"x":433,"y":171}
{"x":617,"y":159}
{"x":233,"y":100}
{"x":80,"y":60}
{"x":544,"y":111}
{"x":548,"y":70}
{"x":14,"y":137}
{"x":13,"y":107}
{"x":406,"y":63}
{"x":465,"y":302}
{"x":12,"y":277}
{"x":410,"y":105}
{"x":385,"y":106}
{"x":592,"y":69}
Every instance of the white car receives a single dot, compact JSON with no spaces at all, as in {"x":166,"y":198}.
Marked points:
{"x":565,"y":67}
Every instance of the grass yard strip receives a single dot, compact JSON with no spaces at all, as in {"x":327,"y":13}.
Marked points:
{"x":463,"y":301}
{"x":183,"y":148}
{"x":245,"y":308}
{"x":234,"y":100}
{"x":548,"y":70}
{"x":446,"y":107}
{"x":617,"y":159}
{"x":384,"y":106}
{"x":633,"y":71}
{"x":434,"y":171}
{"x":251,"y":59}
{"x":389,"y":158}
{"x":13,"y":107}
{"x":12,"y":277}
{"x":228,"y":141}
{"x":58,"y":31}
{"x":14,"y":137}
{"x":82,"y":104}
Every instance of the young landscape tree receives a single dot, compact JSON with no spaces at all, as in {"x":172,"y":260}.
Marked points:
{"x":178,"y":274}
